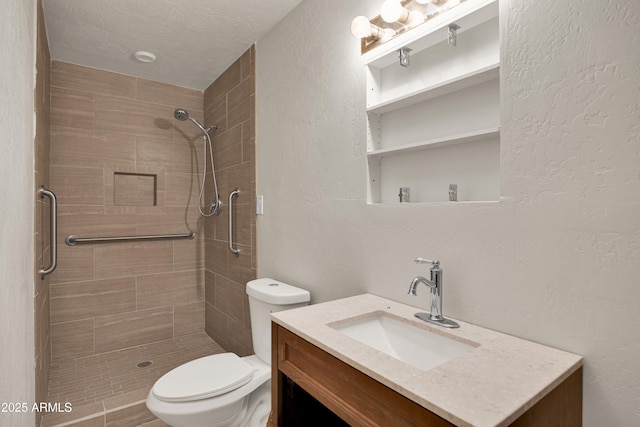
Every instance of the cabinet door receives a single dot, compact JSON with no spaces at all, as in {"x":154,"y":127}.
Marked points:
{"x":353,"y":396}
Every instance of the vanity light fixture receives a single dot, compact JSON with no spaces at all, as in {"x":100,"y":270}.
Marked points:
{"x":397,"y":17}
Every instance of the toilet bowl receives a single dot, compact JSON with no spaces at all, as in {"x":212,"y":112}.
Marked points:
{"x":224,"y":390}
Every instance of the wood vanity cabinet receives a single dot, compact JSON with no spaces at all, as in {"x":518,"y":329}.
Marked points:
{"x":310,"y":383}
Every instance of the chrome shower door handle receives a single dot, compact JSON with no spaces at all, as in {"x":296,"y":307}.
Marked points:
{"x":53,"y":230}
{"x":233,"y":250}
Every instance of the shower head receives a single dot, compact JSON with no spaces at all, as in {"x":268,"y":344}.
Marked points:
{"x":181,"y":114}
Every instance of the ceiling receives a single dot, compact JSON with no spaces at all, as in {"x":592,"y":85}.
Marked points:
{"x":194,"y":41}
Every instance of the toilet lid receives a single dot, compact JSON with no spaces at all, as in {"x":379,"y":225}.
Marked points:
{"x":203,"y":378}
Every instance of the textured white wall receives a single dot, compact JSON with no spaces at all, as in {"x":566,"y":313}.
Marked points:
{"x":556,"y":261}
{"x":17,"y":50}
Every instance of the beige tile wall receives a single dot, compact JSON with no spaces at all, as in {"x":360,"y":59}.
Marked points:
{"x":110,"y":296}
{"x":229,"y":103}
{"x":42,"y":346}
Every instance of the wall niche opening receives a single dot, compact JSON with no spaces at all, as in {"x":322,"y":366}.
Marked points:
{"x":135,"y":189}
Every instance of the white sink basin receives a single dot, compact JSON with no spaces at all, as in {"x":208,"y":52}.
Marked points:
{"x":409,"y":343}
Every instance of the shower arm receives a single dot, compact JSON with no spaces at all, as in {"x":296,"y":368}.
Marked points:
{"x":207,"y":130}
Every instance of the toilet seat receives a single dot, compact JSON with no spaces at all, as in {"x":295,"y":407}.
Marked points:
{"x":203,"y":378}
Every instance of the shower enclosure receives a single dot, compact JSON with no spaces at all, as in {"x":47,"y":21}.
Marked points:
{"x":122,"y":313}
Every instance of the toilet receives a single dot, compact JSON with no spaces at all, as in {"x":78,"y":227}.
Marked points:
{"x":223,"y":389}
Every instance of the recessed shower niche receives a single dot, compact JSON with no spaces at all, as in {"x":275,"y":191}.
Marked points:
{"x":135,"y":189}
{"x":436,"y":122}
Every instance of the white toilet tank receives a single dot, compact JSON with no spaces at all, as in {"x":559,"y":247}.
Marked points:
{"x":268,"y":296}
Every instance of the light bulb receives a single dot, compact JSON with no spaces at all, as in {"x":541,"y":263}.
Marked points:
{"x":361,"y":27}
{"x":430,"y":6}
{"x":393,"y":11}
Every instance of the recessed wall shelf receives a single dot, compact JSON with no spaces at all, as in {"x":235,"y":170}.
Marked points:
{"x":437,"y":121}
{"x":453,"y":84}
{"x":438,"y":142}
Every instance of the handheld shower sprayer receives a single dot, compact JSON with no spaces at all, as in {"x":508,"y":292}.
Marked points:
{"x":183,"y":115}
{"x":216,"y":203}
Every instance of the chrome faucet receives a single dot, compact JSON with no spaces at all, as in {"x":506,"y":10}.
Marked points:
{"x":435,"y":287}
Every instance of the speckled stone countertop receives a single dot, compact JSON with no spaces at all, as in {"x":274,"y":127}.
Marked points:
{"x":491,"y":385}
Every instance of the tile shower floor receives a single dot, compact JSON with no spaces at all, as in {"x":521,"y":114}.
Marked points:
{"x":110,"y":389}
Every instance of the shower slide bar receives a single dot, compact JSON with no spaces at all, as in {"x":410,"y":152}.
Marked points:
{"x":73,"y":240}
{"x":53,"y":230}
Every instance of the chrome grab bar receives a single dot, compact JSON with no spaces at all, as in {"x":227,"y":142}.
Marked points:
{"x":233,"y":250}
{"x":53,"y":231}
{"x":72,"y":240}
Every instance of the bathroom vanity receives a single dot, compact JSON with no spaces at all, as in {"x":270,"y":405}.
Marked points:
{"x":330,"y":366}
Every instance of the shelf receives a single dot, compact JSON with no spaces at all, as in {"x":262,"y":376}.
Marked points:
{"x":438,"y":142}
{"x":454,"y":84}
{"x":436,"y":122}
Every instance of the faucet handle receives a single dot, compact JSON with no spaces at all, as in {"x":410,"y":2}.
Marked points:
{"x":433,"y":262}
